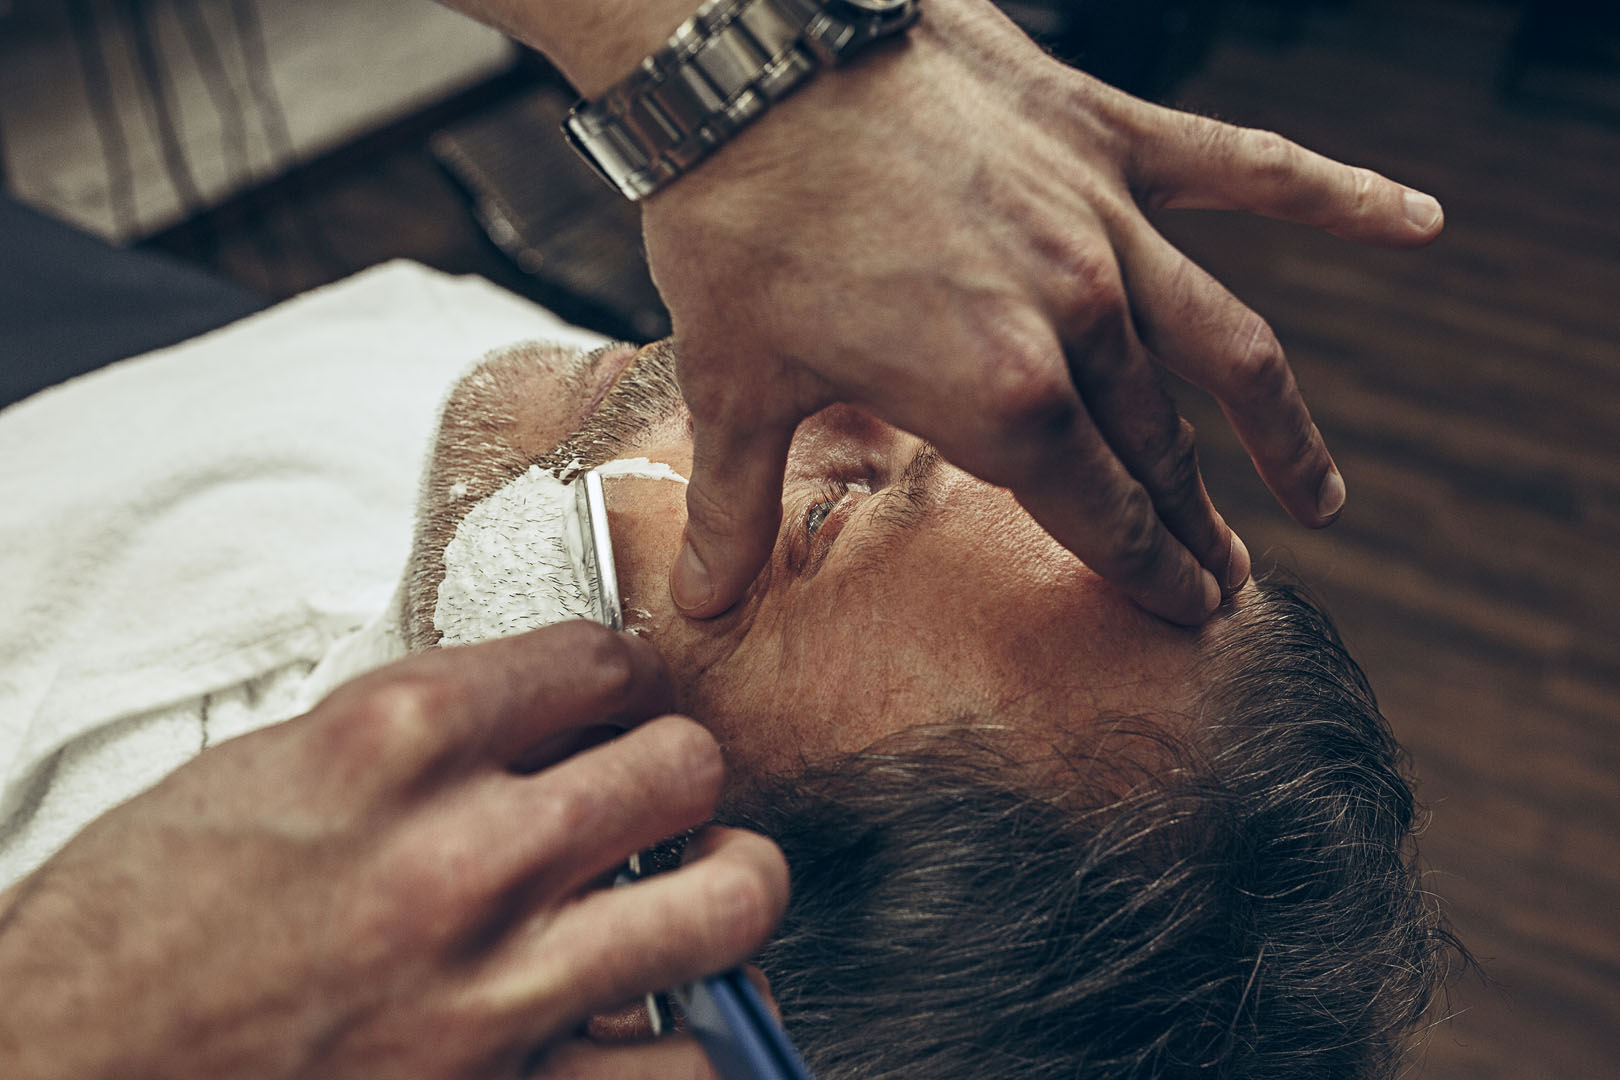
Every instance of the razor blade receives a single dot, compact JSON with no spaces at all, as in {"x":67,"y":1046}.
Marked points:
{"x":596,"y":550}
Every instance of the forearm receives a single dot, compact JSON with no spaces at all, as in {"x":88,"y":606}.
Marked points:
{"x":34,"y":1045}
{"x":595,"y":43}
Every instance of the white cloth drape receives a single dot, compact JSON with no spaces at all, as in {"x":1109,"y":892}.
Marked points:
{"x":185,"y":535}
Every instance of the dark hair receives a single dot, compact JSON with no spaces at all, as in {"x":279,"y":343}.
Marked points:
{"x":1237,"y":897}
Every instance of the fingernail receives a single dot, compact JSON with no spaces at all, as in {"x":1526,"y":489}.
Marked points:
{"x":689,"y":586}
{"x":1237,"y":565}
{"x":1422,"y":210}
{"x":1330,"y":500}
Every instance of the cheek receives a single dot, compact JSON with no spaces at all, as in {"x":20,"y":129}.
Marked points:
{"x":749,"y":707}
{"x":787,"y":695}
{"x":646,"y":517}
{"x":871,"y":674}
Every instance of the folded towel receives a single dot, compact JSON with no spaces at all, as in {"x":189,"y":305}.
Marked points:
{"x":179,"y":525}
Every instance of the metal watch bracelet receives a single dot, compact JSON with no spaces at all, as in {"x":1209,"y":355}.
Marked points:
{"x":721,"y":69}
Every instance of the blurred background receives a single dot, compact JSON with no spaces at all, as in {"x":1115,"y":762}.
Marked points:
{"x":1471,"y":392}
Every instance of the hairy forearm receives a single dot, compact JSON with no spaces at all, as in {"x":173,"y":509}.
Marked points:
{"x":595,"y":43}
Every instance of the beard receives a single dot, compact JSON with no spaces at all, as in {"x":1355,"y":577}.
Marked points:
{"x":643,"y":397}
{"x":474,"y":454}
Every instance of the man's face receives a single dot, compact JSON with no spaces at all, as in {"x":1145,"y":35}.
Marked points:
{"x":901,"y":590}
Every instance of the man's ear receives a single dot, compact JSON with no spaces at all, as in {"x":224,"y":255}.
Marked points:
{"x":496,"y":420}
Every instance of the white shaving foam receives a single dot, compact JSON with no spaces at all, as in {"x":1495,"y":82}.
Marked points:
{"x":516,"y":562}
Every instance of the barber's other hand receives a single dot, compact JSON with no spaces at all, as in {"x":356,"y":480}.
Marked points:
{"x":951,"y":233}
{"x":399,"y":884}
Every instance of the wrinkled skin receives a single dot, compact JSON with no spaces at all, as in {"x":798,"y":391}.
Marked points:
{"x":951,"y":233}
{"x":403,"y":883}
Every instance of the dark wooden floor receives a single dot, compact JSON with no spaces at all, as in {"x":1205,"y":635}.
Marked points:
{"x":1471,"y":394}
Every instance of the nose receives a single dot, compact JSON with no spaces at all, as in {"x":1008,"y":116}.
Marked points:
{"x":848,"y":421}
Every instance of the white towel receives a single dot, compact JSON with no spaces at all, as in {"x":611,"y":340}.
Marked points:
{"x":179,"y":525}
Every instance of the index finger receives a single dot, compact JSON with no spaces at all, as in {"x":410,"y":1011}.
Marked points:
{"x":1087,"y":500}
{"x":516,"y":702}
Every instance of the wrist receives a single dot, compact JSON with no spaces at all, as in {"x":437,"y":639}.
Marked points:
{"x":594,"y":43}
{"x":728,"y":64}
{"x":625,"y":33}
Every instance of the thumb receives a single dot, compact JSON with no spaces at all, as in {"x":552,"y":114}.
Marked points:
{"x":733,"y":511}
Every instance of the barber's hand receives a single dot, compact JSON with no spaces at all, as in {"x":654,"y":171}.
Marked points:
{"x":951,"y":234}
{"x":399,"y":884}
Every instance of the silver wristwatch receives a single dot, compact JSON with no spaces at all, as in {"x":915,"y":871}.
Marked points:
{"x":721,"y":69}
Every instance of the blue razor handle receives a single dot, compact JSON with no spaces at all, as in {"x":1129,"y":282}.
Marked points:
{"x":738,"y":1032}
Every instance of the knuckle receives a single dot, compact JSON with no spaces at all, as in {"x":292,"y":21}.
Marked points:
{"x":1182,"y":502}
{"x":1365,"y":188}
{"x":397,"y":722}
{"x":743,"y":901}
{"x":425,"y":882}
{"x":1178,"y":465}
{"x":1271,"y":159}
{"x":693,"y":753}
{"x":717,"y":511}
{"x":1138,"y":539}
{"x":567,"y":809}
{"x":376,"y":926}
{"x":1257,"y":368}
{"x":1141,"y":430}
{"x":1028,"y":393}
{"x":608,"y":657}
{"x":407,"y":905}
{"x":1086,"y":279}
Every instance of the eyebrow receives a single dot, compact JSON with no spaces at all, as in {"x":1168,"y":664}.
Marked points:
{"x":907,"y":500}
{"x":898,"y":509}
